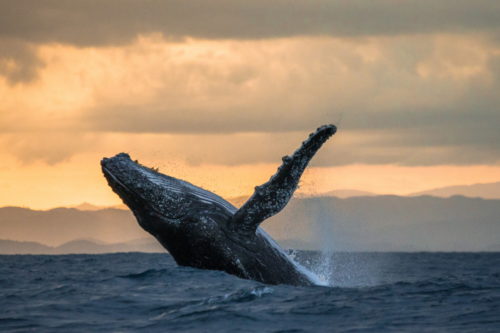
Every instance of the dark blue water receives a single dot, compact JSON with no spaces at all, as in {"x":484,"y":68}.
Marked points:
{"x":129,"y":292}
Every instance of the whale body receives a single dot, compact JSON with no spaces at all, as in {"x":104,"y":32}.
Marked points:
{"x":200,"y":229}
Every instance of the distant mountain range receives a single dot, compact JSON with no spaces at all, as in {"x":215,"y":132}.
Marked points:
{"x":485,"y":191}
{"x":345,"y":193}
{"x":60,"y":225}
{"x":389,"y":223}
{"x":91,"y":207}
{"x":79,"y":246}
{"x":367,"y":223}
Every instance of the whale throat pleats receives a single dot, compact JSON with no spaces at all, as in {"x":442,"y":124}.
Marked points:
{"x":271,"y":197}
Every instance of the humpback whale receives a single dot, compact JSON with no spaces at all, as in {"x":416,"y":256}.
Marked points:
{"x":200,"y":229}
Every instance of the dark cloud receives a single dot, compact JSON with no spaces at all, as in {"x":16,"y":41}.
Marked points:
{"x":376,"y":147}
{"x":423,"y":137}
{"x":154,"y":119}
{"x":462,"y":128}
{"x":449,"y":120}
{"x":18,"y":61}
{"x":469,"y":117}
{"x":114,"y":22}
{"x":91,"y":22}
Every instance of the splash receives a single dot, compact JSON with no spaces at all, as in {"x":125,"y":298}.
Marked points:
{"x":323,"y":227}
{"x":314,"y":278}
{"x":313,"y":275}
{"x":325,"y":268}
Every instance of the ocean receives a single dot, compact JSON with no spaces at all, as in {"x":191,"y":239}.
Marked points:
{"x":138,"y":292}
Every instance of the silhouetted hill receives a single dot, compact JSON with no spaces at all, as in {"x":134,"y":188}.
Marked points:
{"x":56,"y":226}
{"x":377,"y":223}
{"x":346,"y":193}
{"x":91,"y":207}
{"x":79,"y":247}
{"x":391,"y":223}
{"x":485,"y":191}
{"x":16,"y":247}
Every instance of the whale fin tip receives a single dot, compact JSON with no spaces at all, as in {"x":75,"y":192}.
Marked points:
{"x":271,"y":197}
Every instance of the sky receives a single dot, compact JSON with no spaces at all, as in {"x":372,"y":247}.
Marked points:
{"x":216,"y":92}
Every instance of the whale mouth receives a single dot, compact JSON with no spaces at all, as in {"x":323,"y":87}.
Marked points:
{"x":113,"y":180}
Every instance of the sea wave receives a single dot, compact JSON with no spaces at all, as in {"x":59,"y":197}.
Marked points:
{"x":390,"y":292}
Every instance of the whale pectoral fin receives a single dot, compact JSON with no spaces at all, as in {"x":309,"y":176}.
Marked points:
{"x":271,"y":197}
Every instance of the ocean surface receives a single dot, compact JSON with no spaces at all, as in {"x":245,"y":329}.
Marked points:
{"x":134,"y":292}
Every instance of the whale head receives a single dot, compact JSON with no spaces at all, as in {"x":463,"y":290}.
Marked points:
{"x":163,"y":203}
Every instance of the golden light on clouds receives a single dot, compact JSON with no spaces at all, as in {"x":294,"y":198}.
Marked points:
{"x":417,"y":105}
{"x":292,"y":77}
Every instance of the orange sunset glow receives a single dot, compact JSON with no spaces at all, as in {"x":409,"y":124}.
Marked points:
{"x":416,"y":108}
{"x":249,"y":165}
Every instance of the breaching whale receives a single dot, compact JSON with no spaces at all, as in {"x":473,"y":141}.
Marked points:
{"x":202,"y":230}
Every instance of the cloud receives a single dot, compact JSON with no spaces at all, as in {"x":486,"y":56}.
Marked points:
{"x":84,"y":23}
{"x":50,"y":148}
{"x":345,"y":148}
{"x":424,"y":92}
{"x":412,"y":100}
{"x":91,"y":23}
{"x":19,"y":61}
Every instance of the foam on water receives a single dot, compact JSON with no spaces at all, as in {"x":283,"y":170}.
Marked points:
{"x":312,"y":276}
